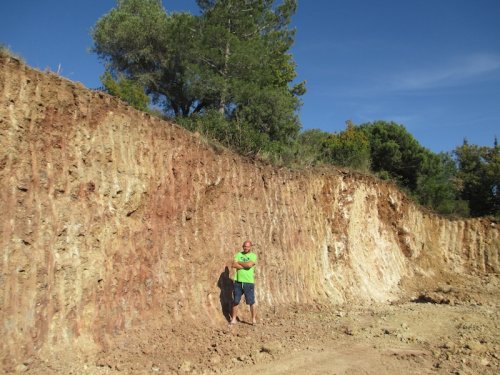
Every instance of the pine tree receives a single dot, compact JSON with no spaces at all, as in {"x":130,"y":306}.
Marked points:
{"x":233,"y":58}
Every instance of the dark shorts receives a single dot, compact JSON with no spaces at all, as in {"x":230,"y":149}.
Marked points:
{"x":244,"y":288}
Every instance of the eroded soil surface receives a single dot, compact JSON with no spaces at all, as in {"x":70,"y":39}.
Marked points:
{"x":106,"y":217}
{"x":451,"y":328}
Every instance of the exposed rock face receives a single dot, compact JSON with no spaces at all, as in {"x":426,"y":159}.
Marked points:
{"x":111,"y":217}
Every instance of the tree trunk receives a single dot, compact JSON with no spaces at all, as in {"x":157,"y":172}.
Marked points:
{"x":227,"y":52}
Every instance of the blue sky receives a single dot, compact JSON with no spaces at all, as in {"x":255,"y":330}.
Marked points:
{"x":430,"y":65}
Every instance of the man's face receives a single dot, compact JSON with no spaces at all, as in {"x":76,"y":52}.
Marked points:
{"x":246,"y":247}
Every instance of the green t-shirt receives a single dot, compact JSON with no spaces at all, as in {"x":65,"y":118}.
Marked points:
{"x":245,"y":276}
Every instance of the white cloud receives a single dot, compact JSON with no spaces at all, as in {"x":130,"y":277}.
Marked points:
{"x":456,"y":72}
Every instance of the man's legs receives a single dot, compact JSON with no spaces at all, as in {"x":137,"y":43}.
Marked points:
{"x":238,"y":292}
{"x":250,"y":300}
{"x":234,"y":314}
{"x":253,"y":311}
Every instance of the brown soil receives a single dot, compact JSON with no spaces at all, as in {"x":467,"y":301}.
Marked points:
{"x":452,"y":328}
{"x":107,"y":215}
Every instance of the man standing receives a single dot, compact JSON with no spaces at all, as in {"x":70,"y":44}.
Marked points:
{"x":244,"y":265}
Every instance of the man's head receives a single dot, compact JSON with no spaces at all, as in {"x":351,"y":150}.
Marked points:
{"x":247,"y":245}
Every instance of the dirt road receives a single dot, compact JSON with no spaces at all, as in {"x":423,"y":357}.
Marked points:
{"x":405,"y":339}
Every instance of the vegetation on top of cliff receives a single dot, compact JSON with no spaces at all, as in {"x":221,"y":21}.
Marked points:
{"x":229,"y":67}
{"x":129,"y":90}
{"x":227,"y":73}
{"x":479,"y":175}
{"x":464,"y":182}
{"x":6,"y":52}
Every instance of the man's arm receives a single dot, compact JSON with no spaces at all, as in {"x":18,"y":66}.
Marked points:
{"x":243,"y":265}
{"x":236,"y":265}
{"x":246,"y":265}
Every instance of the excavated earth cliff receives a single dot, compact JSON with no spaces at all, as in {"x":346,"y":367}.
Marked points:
{"x":116,"y":224}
